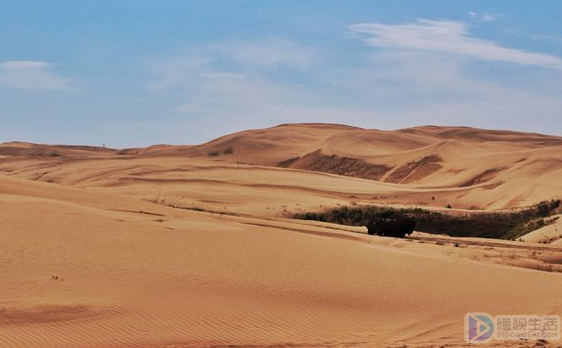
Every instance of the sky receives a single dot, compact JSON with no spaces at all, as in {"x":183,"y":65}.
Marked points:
{"x":128,"y":73}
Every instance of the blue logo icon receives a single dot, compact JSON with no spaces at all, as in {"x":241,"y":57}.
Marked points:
{"x":478,"y":327}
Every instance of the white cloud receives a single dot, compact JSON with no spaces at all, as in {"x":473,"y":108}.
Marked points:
{"x":223,"y":75}
{"x":31,"y":75}
{"x":448,"y":37}
{"x":23,"y":64}
{"x":176,"y":71}
{"x":270,"y":53}
{"x":233,"y":79}
{"x":234,"y":60}
{"x":488,"y":17}
{"x":385,"y":88}
{"x":547,"y":38}
{"x":189,"y":108}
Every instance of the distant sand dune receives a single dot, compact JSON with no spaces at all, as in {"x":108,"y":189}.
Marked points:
{"x":421,"y":155}
{"x":500,"y":169}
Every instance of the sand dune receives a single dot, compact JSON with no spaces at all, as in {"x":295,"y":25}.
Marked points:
{"x":443,"y":157}
{"x":21,"y":149}
{"x":548,"y":234}
{"x":432,"y":166}
{"x":170,"y":247}
{"x":132,"y":273}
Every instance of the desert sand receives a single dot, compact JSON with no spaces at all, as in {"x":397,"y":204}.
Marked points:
{"x":193,"y":246}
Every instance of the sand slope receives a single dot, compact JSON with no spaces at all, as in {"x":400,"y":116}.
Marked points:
{"x":170,"y":247}
{"x":552,"y":233}
{"x":138,"y":274}
{"x":432,"y":156}
{"x":430,"y":166}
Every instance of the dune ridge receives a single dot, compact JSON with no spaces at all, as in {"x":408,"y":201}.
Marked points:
{"x":170,"y":247}
{"x":486,"y":168}
{"x":192,"y":279}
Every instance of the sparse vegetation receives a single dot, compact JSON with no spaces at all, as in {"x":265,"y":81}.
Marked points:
{"x":503,"y":225}
{"x":162,"y":201}
{"x":227,"y":151}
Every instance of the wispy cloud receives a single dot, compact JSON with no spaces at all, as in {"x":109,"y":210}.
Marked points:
{"x":233,"y":60}
{"x":233,"y":78}
{"x":403,"y":83}
{"x":448,"y":37}
{"x":15,"y":65}
{"x":270,"y":53}
{"x":223,"y":75}
{"x":547,"y":38}
{"x":189,"y":108}
{"x":31,"y":75}
{"x":488,"y":17}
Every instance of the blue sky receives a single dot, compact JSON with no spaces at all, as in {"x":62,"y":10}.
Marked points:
{"x":135,"y":73}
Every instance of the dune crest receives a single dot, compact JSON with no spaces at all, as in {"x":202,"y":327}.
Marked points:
{"x":464,"y":167}
{"x":193,"y":246}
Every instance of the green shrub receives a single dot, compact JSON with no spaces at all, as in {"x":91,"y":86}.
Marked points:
{"x":504,"y":225}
